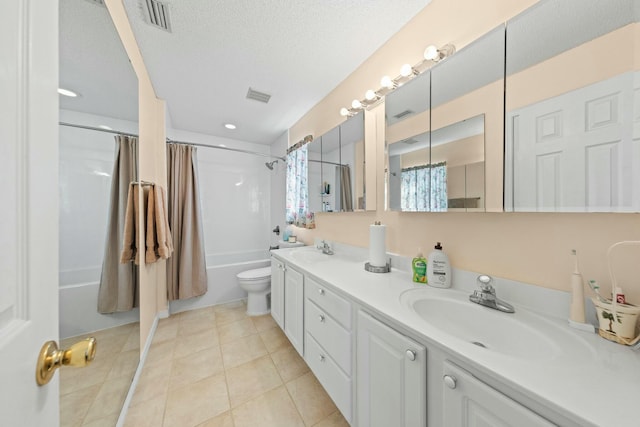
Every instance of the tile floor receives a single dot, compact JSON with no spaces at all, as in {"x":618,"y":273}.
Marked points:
{"x":218,"y":367}
{"x":93,"y":395}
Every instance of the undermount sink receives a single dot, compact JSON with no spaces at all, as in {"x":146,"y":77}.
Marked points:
{"x":522,"y":334}
{"x":309,"y":255}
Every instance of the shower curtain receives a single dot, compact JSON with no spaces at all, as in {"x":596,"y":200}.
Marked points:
{"x":186,"y":269}
{"x":346,"y":196}
{"x":119,"y":282}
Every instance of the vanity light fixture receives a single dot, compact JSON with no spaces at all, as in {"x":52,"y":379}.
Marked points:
{"x":432,"y":53}
{"x":67,"y":92}
{"x":230,"y":126}
{"x":407,"y":72}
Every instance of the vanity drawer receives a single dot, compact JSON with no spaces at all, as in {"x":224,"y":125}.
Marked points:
{"x":330,"y":302}
{"x":329,"y":334}
{"x":334,"y":381}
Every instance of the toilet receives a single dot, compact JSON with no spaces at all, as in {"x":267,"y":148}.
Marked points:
{"x":257,"y":284}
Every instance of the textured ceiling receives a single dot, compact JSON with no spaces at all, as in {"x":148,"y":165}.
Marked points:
{"x":94,"y":64}
{"x":296,"y":51}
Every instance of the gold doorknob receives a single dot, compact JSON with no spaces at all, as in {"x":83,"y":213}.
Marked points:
{"x":80,"y":354}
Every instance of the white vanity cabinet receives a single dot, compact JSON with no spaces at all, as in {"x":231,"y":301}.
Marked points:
{"x":391,"y":385}
{"x":468,"y":402}
{"x":328,"y":342}
{"x":287,"y":302}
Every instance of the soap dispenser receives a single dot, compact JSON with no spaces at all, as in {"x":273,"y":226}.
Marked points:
{"x":438,"y":268}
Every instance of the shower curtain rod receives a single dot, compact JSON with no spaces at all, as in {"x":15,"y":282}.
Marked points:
{"x":170,"y":141}
{"x":329,"y":163}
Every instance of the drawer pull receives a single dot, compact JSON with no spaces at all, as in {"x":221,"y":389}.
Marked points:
{"x":449,"y":381}
{"x":321,"y":318}
{"x":321,"y":291}
{"x":411,"y":355}
{"x":321,"y":358}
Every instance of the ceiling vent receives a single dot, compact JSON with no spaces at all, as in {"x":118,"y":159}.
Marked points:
{"x":402,"y":114}
{"x":97,"y":2}
{"x":258,"y":96}
{"x":157,"y":14}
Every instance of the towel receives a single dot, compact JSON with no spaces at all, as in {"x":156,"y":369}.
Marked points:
{"x":151,"y":243}
{"x":163,"y":234}
{"x":131,"y":232}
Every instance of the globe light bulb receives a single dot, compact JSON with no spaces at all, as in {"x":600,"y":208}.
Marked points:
{"x":431,"y":53}
{"x":344,"y":112}
{"x":356,"y":104}
{"x":406,"y":70}
{"x":386,"y":82}
{"x":370,"y":95}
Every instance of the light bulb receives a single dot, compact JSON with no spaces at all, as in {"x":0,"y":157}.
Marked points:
{"x":386,"y":82}
{"x":431,"y":53}
{"x":356,"y":104}
{"x":370,"y":95}
{"x":230,"y":126}
{"x":344,"y":112}
{"x":67,"y":92}
{"x":406,"y":70}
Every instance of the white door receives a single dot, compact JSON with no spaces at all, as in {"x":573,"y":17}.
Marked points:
{"x":392,"y":377}
{"x":575,"y":152}
{"x":294,"y":308}
{"x":28,"y":208}
{"x":468,"y":402}
{"x":277,"y":292}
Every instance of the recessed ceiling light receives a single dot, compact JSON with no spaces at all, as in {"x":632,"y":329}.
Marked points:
{"x":67,"y":92}
{"x":105,"y":127}
{"x":230,"y":126}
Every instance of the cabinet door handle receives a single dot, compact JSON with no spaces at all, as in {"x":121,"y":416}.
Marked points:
{"x":321,"y":358}
{"x":411,"y":355}
{"x":321,"y":291}
{"x":321,"y":318}
{"x":449,"y":381}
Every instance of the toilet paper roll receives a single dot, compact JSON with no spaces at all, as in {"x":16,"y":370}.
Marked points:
{"x":377,"y":248}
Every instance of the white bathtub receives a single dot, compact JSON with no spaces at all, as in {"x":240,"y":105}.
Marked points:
{"x":78,"y":305}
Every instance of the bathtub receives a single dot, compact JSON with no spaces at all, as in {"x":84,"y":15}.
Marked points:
{"x":78,"y":301}
{"x":221,"y":279}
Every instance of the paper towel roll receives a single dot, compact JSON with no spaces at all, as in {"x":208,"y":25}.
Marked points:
{"x":377,"y":248}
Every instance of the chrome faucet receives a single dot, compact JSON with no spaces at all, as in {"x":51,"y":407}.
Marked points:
{"x":487,"y":296}
{"x":326,"y":248}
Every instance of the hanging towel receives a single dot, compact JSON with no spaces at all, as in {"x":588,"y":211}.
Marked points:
{"x":163,"y":233}
{"x":151,"y":244}
{"x":131,"y":231}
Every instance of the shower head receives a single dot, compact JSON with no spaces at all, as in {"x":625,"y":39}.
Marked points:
{"x":270,"y":164}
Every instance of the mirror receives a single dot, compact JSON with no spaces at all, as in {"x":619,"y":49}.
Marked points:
{"x":573,"y":108}
{"x":94,"y":64}
{"x":444,"y":133}
{"x":407,"y":142}
{"x":336,"y":173}
{"x":350,"y":189}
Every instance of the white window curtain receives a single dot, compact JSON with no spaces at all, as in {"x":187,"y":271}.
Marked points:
{"x":424,"y":188}
{"x":298,"y":188}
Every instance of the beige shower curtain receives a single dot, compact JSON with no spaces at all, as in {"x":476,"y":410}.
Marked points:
{"x":186,"y":269}
{"x":119,"y":282}
{"x":346,"y":196}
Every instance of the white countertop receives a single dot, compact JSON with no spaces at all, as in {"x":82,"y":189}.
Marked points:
{"x":594,"y":383}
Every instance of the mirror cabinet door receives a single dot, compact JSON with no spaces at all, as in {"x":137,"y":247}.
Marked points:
{"x":350,"y":185}
{"x":467,"y":93}
{"x":407,"y":145}
{"x":314,"y":175}
{"x":573,"y":108}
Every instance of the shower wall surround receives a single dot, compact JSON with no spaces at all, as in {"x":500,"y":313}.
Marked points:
{"x":86,"y":164}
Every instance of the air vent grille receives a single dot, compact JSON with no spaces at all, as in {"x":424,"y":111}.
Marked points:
{"x":402,"y":114}
{"x":157,"y":14}
{"x":97,"y":2}
{"x":258,"y":96}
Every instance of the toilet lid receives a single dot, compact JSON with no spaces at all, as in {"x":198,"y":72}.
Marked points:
{"x":257,"y":273}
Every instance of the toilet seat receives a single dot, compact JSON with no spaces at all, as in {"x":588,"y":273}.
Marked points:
{"x":255,"y":274}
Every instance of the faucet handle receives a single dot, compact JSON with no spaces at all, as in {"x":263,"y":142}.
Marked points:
{"x":484,"y":282}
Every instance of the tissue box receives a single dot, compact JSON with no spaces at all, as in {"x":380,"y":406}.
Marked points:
{"x":623,"y":328}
